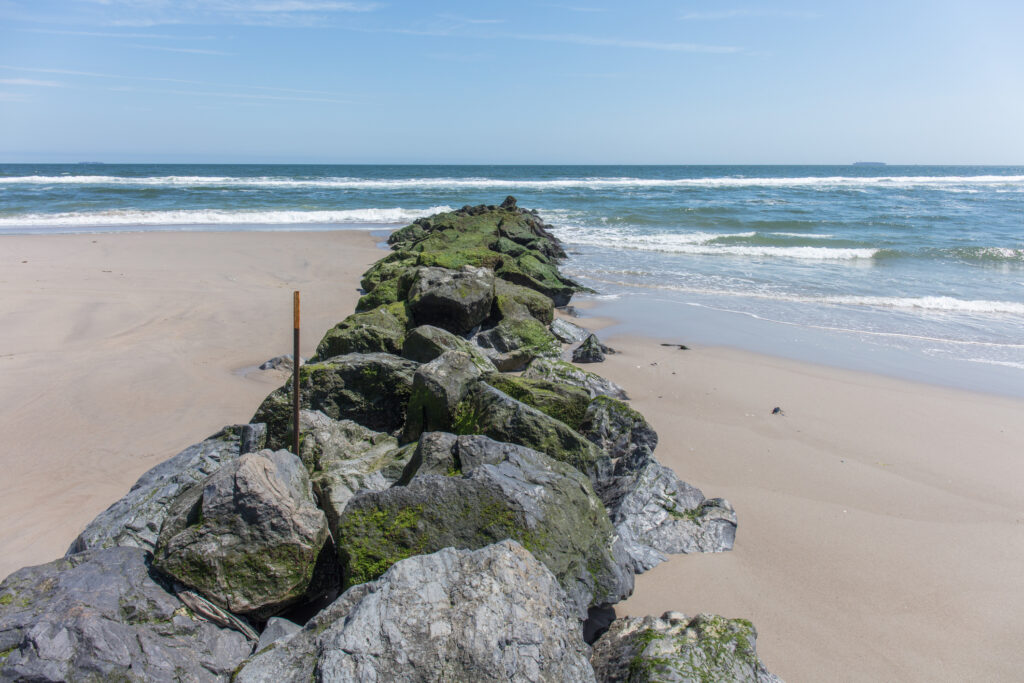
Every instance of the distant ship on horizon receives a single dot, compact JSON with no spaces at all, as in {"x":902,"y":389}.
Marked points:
{"x":869,"y":163}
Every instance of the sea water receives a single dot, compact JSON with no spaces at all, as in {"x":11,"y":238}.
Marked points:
{"x":916,"y":271}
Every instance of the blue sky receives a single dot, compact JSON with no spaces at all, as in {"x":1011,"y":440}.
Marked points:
{"x":578,"y":81}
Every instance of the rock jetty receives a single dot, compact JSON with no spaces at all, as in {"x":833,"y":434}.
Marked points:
{"x":445,"y":519}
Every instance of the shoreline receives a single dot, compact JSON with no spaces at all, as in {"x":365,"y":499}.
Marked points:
{"x":862,"y":553}
{"x":646,"y":315}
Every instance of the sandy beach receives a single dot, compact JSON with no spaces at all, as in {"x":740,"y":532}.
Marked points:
{"x":881,"y":522}
{"x":119,"y":350}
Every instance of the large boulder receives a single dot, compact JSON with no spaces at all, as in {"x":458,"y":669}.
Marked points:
{"x":99,"y":615}
{"x":135,"y":519}
{"x":426,"y":342}
{"x":437,"y":389}
{"x":547,"y":506}
{"x":344,"y":457}
{"x":381,"y":330}
{"x":515,"y":341}
{"x":656,"y":514}
{"x":454,"y":300}
{"x":590,"y":351}
{"x":248,"y":537}
{"x":516,"y":301}
{"x":371,"y":389}
{"x":568,"y":332}
{"x":678,"y":649}
{"x":494,"y":614}
{"x":563,"y":402}
{"x":617,"y":429}
{"x":567,"y":373}
{"x":488,"y":411}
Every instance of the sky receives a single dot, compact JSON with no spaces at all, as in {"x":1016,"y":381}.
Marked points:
{"x":580,"y":81}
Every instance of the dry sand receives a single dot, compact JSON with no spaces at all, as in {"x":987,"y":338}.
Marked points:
{"x":881,"y":523}
{"x":119,"y":350}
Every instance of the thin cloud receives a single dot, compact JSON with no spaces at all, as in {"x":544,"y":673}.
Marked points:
{"x":101,"y":34}
{"x":576,"y":39}
{"x":230,"y":95}
{"x":300,"y":6}
{"x":743,"y":14}
{"x":13,"y":97}
{"x":157,"y":79}
{"x":187,"y":50}
{"x":31,"y":82}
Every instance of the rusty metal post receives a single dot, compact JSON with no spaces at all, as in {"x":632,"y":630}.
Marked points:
{"x":295,"y":376}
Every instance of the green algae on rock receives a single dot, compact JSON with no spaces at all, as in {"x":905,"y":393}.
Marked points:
{"x":547,"y":506}
{"x":380,"y":330}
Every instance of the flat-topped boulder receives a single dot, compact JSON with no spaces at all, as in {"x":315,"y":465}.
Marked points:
{"x":493,"y":614}
{"x":247,"y":537}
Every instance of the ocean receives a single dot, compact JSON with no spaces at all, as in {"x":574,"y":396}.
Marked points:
{"x":913,"y":271}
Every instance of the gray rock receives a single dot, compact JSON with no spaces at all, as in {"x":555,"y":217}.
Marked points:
{"x":369,"y":388}
{"x":491,"y":412}
{"x":344,"y":457}
{"x":494,"y":614}
{"x":247,"y":537}
{"x":283,"y":362}
{"x":547,"y":506}
{"x":135,"y":519}
{"x":568,"y":332}
{"x":454,"y":300}
{"x":560,"y":371}
{"x":515,"y":341}
{"x":655,"y":513}
{"x":435,"y":453}
{"x":677,"y":649}
{"x":437,"y":389}
{"x":276,"y":629}
{"x":99,"y":615}
{"x":590,"y":351}
{"x":426,"y":342}
{"x":617,"y":429}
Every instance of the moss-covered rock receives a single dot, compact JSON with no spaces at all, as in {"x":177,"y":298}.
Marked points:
{"x":343,"y":457}
{"x":426,"y":342}
{"x":381,"y":330}
{"x":515,"y":301}
{"x":563,"y":402}
{"x":488,"y":411}
{"x":454,"y":300}
{"x":387,"y":268}
{"x":514,"y":342}
{"x":371,"y":389}
{"x":675,"y":648}
{"x":437,"y":389}
{"x":247,"y":537}
{"x":617,"y":429}
{"x":557,"y":370}
{"x":546,"y":506}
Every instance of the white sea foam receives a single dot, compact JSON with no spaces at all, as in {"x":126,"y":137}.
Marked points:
{"x":937,"y":304}
{"x":701,"y":244}
{"x":931,"y":303}
{"x":804,"y":235}
{"x":217,"y":217}
{"x":448,"y":183}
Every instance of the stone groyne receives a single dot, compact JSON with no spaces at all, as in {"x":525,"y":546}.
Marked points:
{"x":466,"y":504}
